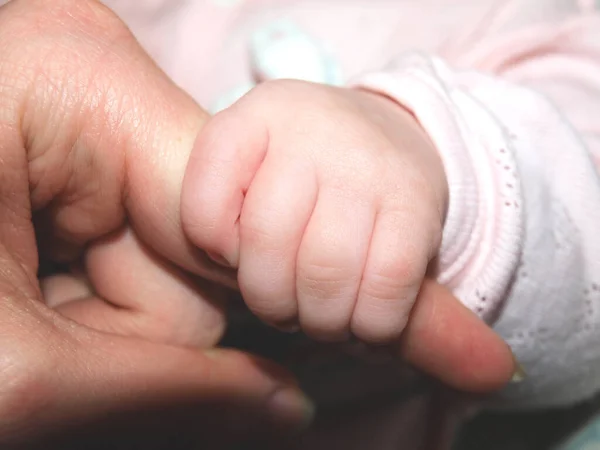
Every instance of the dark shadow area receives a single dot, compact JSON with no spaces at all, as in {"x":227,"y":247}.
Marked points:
{"x":160,"y":427}
{"x":525,"y":431}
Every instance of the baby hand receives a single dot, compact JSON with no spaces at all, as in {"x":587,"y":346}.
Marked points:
{"x":330,"y":203}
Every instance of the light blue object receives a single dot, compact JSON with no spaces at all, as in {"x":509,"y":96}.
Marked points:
{"x":281,"y":49}
{"x":588,"y":438}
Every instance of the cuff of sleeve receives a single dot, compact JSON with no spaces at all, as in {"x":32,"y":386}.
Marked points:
{"x":483,"y":229}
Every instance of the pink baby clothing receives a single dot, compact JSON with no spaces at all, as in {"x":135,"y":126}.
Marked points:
{"x":508,"y":90}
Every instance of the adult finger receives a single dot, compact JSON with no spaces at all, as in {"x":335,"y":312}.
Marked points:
{"x":81,"y":385}
{"x":107,"y":135}
{"x":137,"y":293}
{"x":446,"y":340}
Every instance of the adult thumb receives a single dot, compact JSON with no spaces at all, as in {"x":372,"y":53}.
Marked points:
{"x":101,"y":391}
{"x":446,"y":340}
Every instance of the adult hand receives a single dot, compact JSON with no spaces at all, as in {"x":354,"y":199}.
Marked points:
{"x":94,"y":140}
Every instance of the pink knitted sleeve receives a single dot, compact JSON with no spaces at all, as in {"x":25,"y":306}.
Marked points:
{"x":519,"y":134}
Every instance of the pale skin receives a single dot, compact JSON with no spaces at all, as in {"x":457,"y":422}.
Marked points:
{"x":94,"y":145}
{"x":330,"y":203}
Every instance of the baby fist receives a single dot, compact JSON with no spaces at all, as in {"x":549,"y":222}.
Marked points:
{"x":330,"y":203}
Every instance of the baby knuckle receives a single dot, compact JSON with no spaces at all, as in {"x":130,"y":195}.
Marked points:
{"x":278,"y":314}
{"x":203,"y":230}
{"x":355,"y":177}
{"x":327,"y":328}
{"x":325,"y":279}
{"x":279,"y":92}
{"x":385,"y":287}
{"x":312,"y":101}
{"x":278,"y":88}
{"x":429,"y":211}
{"x":258,"y":229}
{"x":263,"y":298}
{"x":371,"y":329}
{"x":401,"y":269}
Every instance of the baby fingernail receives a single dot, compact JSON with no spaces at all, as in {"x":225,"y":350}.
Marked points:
{"x":290,"y":407}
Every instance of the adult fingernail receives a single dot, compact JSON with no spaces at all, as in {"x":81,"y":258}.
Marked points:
{"x":519,"y":374}
{"x":291,"y":408}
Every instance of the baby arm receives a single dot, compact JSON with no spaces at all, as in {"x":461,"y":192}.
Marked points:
{"x":519,"y":138}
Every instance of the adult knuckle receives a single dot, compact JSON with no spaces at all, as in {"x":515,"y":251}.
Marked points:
{"x":58,"y":68}
{"x":45,"y":18}
{"x":182,"y":329}
{"x":87,"y":16}
{"x":55,"y":44}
